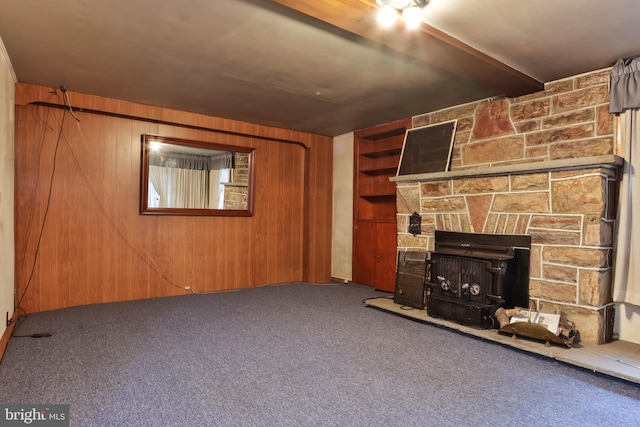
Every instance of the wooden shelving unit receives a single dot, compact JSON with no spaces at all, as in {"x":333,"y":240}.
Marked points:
{"x":377,"y":154}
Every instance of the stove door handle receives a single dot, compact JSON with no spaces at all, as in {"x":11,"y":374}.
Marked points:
{"x":496,"y":298}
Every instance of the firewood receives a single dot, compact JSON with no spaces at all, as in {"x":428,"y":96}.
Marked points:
{"x":502,"y":316}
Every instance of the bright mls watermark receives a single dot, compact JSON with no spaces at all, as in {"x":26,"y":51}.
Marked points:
{"x":34,"y":415}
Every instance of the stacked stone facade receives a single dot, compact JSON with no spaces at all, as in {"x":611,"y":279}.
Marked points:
{"x":542,"y":165}
{"x":236,"y":195}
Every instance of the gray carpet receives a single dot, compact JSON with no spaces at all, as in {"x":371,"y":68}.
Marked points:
{"x":292,"y":355}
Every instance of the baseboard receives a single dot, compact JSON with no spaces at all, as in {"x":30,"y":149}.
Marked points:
{"x":4,"y":342}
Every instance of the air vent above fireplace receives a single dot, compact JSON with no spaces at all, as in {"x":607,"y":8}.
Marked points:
{"x":427,"y":149}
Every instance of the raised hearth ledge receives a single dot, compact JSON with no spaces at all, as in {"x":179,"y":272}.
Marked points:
{"x":618,"y":358}
{"x":609,"y":161}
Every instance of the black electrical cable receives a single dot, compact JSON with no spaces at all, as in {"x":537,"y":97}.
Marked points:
{"x":44,"y":120}
{"x":44,"y":218}
{"x":142,"y":253}
{"x":147,"y":259}
{"x":22,"y":319}
{"x":38,"y":335}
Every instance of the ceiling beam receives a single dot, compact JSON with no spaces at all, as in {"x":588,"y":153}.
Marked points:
{"x":427,"y":44}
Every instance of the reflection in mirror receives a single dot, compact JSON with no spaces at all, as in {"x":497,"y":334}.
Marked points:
{"x":183,"y":177}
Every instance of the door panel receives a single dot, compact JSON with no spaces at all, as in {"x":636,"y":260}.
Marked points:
{"x":375,"y":255}
{"x":386,"y":251}
{"x":364,"y":265}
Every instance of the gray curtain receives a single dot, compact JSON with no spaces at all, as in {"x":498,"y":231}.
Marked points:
{"x":179,"y":160}
{"x":625,"y":100}
{"x":625,"y":85}
{"x":168,"y":159}
{"x":223,"y":160}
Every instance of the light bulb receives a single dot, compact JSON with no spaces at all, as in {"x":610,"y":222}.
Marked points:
{"x":387,"y":15}
{"x":413,"y":17}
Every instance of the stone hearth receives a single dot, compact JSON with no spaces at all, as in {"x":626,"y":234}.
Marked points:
{"x":543,"y":165}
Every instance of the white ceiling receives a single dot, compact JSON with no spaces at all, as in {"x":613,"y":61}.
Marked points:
{"x":545,"y":39}
{"x":258,"y":61}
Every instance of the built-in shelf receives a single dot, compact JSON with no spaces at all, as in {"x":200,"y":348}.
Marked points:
{"x":382,"y":153}
{"x":379,"y":171}
{"x":377,"y":161}
{"x":378,"y":197}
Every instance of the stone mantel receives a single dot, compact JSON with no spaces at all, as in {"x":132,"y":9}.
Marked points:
{"x":607,"y":161}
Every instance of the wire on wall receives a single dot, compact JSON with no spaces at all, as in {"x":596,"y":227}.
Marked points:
{"x":142,"y":253}
{"x":29,"y":220}
{"x":46,"y":212}
{"x":147,"y":258}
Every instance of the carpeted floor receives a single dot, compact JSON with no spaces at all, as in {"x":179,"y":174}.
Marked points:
{"x":291,"y":355}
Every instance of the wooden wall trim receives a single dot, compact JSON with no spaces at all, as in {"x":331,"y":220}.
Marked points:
{"x":27,"y":93}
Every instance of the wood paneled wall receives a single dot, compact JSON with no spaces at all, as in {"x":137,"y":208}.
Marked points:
{"x":95,"y":247}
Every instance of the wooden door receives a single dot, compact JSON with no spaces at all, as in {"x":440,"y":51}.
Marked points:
{"x":386,"y":256}
{"x":375,"y":255}
{"x":364,"y":256}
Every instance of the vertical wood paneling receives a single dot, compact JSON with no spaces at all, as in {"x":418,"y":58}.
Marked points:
{"x":63,"y":246}
{"x":110,"y":161}
{"x":275,"y":224}
{"x":122,"y":180}
{"x":96,"y":247}
{"x":318,"y":180}
{"x":77,"y":228}
{"x":294,"y":207}
{"x":33,"y":173}
{"x":261,"y":217}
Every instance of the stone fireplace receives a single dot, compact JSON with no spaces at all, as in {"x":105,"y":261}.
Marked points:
{"x":542,"y":165}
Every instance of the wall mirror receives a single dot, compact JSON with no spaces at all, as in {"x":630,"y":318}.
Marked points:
{"x":185,"y":177}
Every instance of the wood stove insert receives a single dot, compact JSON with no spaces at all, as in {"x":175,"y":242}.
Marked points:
{"x":471,"y":275}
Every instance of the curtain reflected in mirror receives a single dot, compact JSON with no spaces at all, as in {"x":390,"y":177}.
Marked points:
{"x":185,"y":177}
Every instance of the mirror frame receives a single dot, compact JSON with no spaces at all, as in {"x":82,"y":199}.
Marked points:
{"x":144,"y":178}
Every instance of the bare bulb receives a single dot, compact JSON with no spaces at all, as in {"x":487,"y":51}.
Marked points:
{"x":387,"y":15}
{"x":412,"y":17}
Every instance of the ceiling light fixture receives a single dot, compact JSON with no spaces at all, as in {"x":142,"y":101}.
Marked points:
{"x":387,"y":15}
{"x":411,"y":11}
